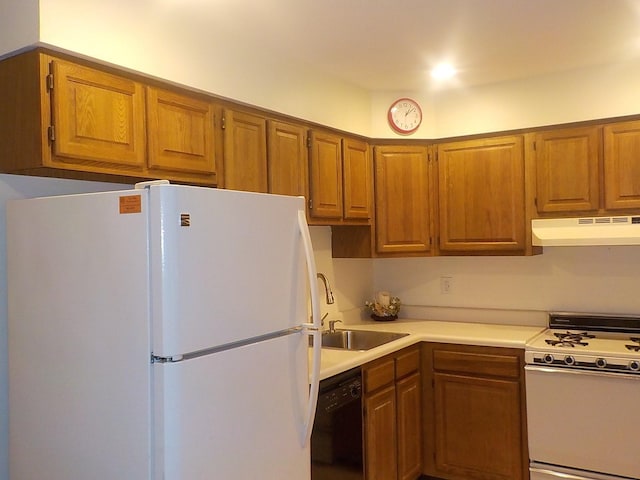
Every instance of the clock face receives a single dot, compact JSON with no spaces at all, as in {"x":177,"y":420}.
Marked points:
{"x":405,"y":115}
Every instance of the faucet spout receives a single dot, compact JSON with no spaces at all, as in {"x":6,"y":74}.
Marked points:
{"x":327,"y":289}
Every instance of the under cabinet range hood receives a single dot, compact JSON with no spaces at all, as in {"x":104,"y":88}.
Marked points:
{"x":557,"y":232}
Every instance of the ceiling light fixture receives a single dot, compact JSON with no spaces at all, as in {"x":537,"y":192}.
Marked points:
{"x":443,"y":71}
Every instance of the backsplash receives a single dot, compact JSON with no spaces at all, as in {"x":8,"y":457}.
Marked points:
{"x":489,"y":289}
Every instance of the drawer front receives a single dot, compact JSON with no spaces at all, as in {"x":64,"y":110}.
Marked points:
{"x":378,"y":374}
{"x":477,"y":363}
{"x":407,"y":362}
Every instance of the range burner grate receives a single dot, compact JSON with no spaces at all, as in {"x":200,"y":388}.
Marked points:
{"x":570,"y":339}
{"x":634,"y":348}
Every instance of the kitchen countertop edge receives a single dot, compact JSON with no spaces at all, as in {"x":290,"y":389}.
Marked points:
{"x":334,"y":361}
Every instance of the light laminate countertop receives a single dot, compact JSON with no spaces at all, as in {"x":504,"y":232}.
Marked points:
{"x":336,"y":361}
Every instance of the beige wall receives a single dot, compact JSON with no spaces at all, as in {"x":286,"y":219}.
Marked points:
{"x":590,"y":279}
{"x":161,"y":42}
{"x":585,"y":94}
{"x":18,"y":24}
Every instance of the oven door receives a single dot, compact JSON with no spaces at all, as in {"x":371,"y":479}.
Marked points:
{"x":584,"y":420}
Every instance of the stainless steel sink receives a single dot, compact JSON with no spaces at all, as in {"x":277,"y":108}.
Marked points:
{"x":358,"y":339}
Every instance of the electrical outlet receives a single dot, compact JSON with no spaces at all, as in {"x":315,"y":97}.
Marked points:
{"x":446,"y":285}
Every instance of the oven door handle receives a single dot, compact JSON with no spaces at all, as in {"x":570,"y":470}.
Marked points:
{"x":575,"y":371}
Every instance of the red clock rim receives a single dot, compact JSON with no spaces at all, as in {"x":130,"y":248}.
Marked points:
{"x":390,"y":119}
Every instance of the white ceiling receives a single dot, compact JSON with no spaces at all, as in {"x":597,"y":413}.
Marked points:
{"x":385,"y":45}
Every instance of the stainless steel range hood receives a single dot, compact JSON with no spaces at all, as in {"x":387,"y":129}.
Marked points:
{"x":558,"y":232}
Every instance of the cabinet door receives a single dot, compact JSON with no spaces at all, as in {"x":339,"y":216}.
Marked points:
{"x":481,"y":195}
{"x":409,"y":424}
{"x":326,"y":175}
{"x":180,"y":132}
{"x":287,"y":154}
{"x":477,"y":428}
{"x":380,"y":435}
{"x":622,"y":165}
{"x":357,"y":175}
{"x":97,"y":117}
{"x":245,"y":152}
{"x":402,"y":199}
{"x":567,"y":170}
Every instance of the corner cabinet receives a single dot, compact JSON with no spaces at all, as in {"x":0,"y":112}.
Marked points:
{"x":402,"y":200}
{"x":474,"y":412}
{"x":481,"y":194}
{"x":72,"y":119}
{"x":392,"y":416}
{"x":340,"y":180}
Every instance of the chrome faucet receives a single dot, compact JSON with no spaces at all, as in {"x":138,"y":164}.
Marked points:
{"x":332,"y":325}
{"x":327,"y":289}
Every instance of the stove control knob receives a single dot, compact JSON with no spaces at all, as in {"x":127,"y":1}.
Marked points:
{"x":601,"y":362}
{"x":634,"y":365}
{"x":548,"y":358}
{"x":354,"y":391}
{"x":569,"y":360}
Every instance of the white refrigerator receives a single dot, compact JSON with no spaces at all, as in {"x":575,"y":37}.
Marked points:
{"x":161,"y":333}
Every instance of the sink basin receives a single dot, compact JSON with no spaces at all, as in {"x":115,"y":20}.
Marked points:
{"x":358,"y":339}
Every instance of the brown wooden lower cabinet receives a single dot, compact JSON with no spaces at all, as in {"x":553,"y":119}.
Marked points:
{"x":392,"y":416}
{"x":474,"y":412}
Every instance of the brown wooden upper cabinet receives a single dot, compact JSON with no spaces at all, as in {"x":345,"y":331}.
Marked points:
{"x":356,"y":180}
{"x":591,"y":170}
{"x":180,"y":132}
{"x":482,"y":196}
{"x":97,"y":116}
{"x":622,"y":166}
{"x":402,"y":200}
{"x":245,"y":152}
{"x":567,"y":170}
{"x":67,"y":116}
{"x":287,"y":159}
{"x":340,"y":179}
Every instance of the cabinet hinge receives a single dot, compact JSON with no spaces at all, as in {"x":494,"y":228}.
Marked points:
{"x":51,"y":132}
{"x":310,"y":204}
{"x":308,"y":142}
{"x":534,"y":145}
{"x":49,"y":82}
{"x":223,"y":122}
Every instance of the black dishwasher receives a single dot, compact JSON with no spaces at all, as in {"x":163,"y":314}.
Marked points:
{"x":336,"y":440}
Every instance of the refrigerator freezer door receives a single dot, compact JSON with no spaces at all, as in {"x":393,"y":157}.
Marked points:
{"x":79,"y":339}
{"x":225,"y":266}
{"x":236,"y":414}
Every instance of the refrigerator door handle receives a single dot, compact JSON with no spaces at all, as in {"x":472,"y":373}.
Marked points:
{"x":313,"y":328}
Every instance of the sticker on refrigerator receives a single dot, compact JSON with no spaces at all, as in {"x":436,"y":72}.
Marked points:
{"x":130,"y":204}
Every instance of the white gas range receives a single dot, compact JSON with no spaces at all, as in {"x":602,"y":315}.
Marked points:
{"x":583,"y":398}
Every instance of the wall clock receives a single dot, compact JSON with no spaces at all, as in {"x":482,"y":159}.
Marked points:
{"x":405,"y":115}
